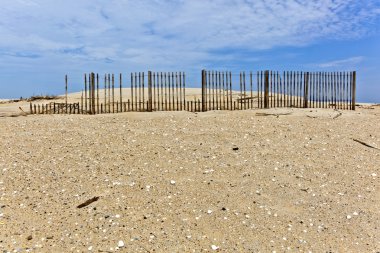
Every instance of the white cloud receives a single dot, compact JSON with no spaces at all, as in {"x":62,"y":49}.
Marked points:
{"x":342,"y":63}
{"x":173,"y":33}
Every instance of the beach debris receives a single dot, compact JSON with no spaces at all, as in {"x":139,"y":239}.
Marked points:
{"x":235,"y":148}
{"x":120,"y":244}
{"x":23,"y":112}
{"x":338,"y":115}
{"x":88,"y":202}
{"x":214,"y":247}
{"x":272,"y":114}
{"x":365,"y":144}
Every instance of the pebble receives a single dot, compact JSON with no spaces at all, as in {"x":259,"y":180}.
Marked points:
{"x":90,"y":248}
{"x":120,"y":244}
{"x":349,"y":217}
{"x":172,"y":182}
{"x":214,"y":247}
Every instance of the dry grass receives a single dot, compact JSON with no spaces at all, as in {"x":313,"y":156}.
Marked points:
{"x":42,"y":97}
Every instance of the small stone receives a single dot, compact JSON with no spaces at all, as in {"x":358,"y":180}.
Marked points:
{"x":235,"y":148}
{"x":29,"y":238}
{"x":209,"y":211}
{"x":117,"y":216}
{"x":349,"y":217}
{"x":90,"y":248}
{"x":214,"y":247}
{"x":356,"y":213}
{"x":172,"y":182}
{"x":120,"y":244}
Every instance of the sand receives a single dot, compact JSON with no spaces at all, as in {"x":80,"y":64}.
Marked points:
{"x":218,"y":181}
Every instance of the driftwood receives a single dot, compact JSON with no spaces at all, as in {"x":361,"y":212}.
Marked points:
{"x":338,"y":115}
{"x":88,"y":202}
{"x":272,"y":114}
{"x":365,"y":144}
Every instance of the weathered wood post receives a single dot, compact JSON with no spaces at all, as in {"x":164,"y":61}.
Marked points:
{"x":184,"y":88}
{"x":66,"y":92}
{"x":150,"y":100}
{"x":266,"y":89}
{"x":353,"y":92}
{"x":85,"y":92}
{"x":113,"y":93}
{"x":93,"y":93}
{"x":81,"y":104}
{"x":31,"y":108}
{"x":306,"y":90}
{"x":121,"y":92}
{"x":97,"y":93}
{"x":204,"y":91}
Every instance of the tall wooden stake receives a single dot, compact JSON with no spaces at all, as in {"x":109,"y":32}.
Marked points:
{"x":204,"y":91}
{"x":150,"y":100}
{"x":121,"y":93}
{"x":66,"y":92}
{"x":85,"y":92}
{"x":266,"y":90}
{"x":353,"y":92}
{"x":306,"y":90}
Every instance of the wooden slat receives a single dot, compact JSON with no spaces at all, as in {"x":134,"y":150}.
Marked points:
{"x":306,"y":90}
{"x":150,"y":93}
{"x":266,"y":90}
{"x":204,"y":89}
{"x":353,"y":93}
{"x":230,"y":75}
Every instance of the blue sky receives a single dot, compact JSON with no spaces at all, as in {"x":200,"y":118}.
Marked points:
{"x":42,"y":40}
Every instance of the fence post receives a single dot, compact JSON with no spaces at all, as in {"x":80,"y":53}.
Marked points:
{"x":306,"y":90}
{"x":97,"y":93}
{"x":266,"y":89}
{"x":204,"y":91}
{"x":93,"y":93}
{"x":150,"y":100}
{"x":121,"y":92}
{"x":85,"y":92}
{"x":66,"y":92}
{"x":353,"y":93}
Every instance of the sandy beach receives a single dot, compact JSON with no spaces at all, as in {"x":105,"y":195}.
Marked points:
{"x":294,"y":181}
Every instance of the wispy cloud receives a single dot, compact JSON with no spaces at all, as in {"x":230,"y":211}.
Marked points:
{"x":176,"y":33}
{"x":349,"y":62}
{"x":45,"y":39}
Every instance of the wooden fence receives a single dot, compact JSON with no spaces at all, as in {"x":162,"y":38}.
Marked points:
{"x":307,"y":89}
{"x":166,"y":91}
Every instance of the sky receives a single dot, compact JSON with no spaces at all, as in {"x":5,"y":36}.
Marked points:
{"x":42,"y":40}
